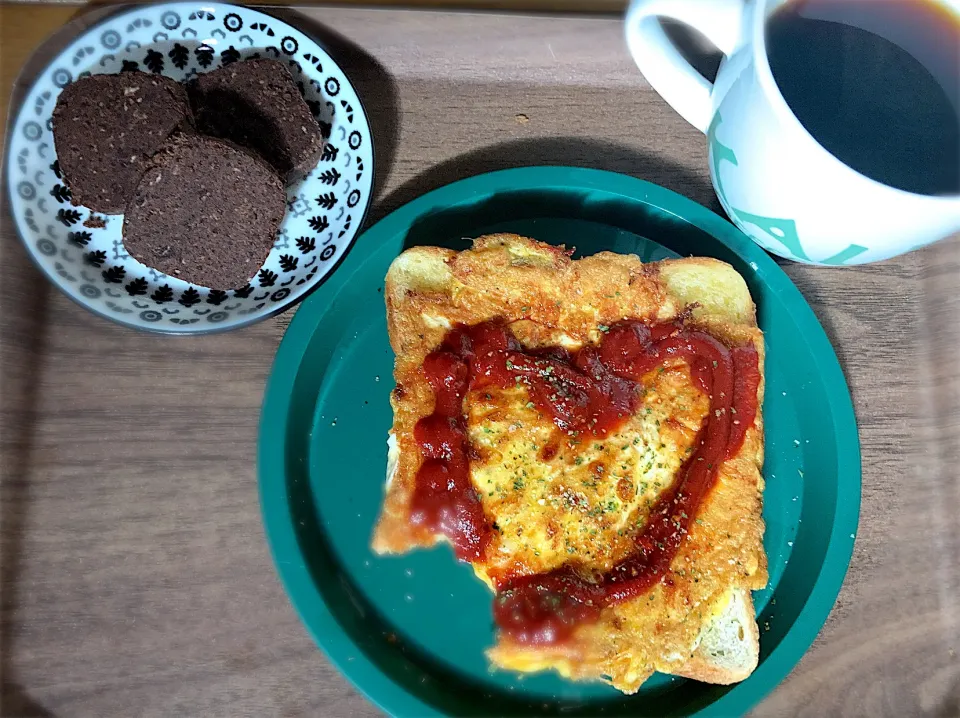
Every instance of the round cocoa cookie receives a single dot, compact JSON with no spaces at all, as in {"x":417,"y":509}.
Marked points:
{"x":256,"y":104}
{"x":205,"y":211}
{"x":105,"y":129}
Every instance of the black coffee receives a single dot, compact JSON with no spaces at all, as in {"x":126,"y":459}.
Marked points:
{"x":877,"y":84}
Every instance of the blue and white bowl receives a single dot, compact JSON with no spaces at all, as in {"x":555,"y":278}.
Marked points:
{"x":89,"y":263}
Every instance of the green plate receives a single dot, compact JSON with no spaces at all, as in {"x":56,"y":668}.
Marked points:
{"x":410,"y":631}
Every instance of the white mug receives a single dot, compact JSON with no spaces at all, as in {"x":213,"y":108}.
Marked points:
{"x":775,"y":181}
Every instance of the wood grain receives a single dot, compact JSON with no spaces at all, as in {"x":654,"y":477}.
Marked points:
{"x":580,"y":6}
{"x":136,"y":579}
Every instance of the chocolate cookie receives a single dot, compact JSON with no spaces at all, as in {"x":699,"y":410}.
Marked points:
{"x":105,"y":129}
{"x":256,"y":104}
{"x":206,"y":212}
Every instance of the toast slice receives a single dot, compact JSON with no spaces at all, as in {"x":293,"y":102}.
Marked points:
{"x":558,"y":500}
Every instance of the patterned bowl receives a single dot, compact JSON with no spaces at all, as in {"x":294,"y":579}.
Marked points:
{"x":83,"y":254}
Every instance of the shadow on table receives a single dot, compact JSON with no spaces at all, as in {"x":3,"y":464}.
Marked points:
{"x":25,"y":297}
{"x":24,"y":302}
{"x":570,"y":151}
{"x":951,"y":704}
{"x":17,"y":703}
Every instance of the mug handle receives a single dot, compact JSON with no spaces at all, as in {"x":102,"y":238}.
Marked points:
{"x":685,"y":89}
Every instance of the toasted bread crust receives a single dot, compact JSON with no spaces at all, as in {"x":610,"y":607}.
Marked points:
{"x":704,"y":665}
{"x":429,"y":289}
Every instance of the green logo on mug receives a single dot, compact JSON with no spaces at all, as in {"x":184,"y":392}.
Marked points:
{"x":783,"y":231}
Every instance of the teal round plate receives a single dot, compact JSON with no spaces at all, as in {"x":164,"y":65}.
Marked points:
{"x":410,"y":631}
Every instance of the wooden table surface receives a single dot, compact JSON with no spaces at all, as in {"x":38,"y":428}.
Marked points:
{"x":135,"y":575}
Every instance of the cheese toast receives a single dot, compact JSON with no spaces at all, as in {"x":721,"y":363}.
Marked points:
{"x":588,"y":435}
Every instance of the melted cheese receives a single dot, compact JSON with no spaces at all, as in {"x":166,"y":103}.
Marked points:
{"x":557,"y":498}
